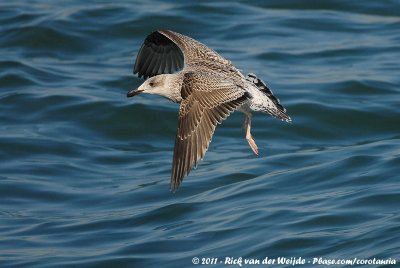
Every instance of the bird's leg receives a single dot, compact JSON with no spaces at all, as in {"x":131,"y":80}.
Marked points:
{"x":249,"y":137}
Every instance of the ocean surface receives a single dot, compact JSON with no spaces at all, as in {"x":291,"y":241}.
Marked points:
{"x":84,"y":171}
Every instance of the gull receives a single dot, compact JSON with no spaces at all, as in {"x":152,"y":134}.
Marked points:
{"x":207,"y":86}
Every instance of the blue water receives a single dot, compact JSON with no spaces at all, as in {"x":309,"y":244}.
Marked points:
{"x":84,"y":171}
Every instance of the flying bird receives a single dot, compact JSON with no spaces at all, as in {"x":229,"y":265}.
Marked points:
{"x":208,"y":88}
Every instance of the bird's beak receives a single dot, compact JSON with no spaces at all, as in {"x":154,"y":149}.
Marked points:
{"x":134,"y":92}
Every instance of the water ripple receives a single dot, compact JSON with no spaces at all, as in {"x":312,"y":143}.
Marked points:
{"x":84,"y":174}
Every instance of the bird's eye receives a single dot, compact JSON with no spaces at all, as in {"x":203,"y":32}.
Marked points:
{"x":151,"y":84}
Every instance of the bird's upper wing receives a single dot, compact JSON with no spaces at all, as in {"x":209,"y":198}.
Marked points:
{"x":206,"y":101}
{"x":165,"y":52}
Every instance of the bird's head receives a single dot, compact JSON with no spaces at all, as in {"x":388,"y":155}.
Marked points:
{"x":159,"y":85}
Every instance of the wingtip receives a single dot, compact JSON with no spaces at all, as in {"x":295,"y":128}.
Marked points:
{"x":173,"y":187}
{"x":163,"y":30}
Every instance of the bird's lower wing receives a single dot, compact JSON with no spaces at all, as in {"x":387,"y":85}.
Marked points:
{"x":206,"y":101}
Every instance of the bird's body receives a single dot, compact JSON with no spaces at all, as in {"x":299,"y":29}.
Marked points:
{"x":208,"y":88}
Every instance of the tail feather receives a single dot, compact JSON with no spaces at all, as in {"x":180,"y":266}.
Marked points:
{"x":262,"y":86}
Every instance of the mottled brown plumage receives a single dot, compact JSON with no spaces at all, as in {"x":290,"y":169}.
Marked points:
{"x":208,"y":87}
{"x":205,"y":103}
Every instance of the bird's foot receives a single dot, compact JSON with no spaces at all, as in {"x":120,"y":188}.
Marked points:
{"x":249,"y":137}
{"x":252,"y":143}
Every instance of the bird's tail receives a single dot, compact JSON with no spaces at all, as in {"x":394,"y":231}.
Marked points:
{"x":280,"y":111}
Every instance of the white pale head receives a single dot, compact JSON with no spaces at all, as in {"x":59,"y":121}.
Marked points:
{"x":164,"y":85}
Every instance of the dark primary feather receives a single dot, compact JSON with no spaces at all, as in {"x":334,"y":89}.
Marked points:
{"x":166,"y":52}
{"x":158,"y":55}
